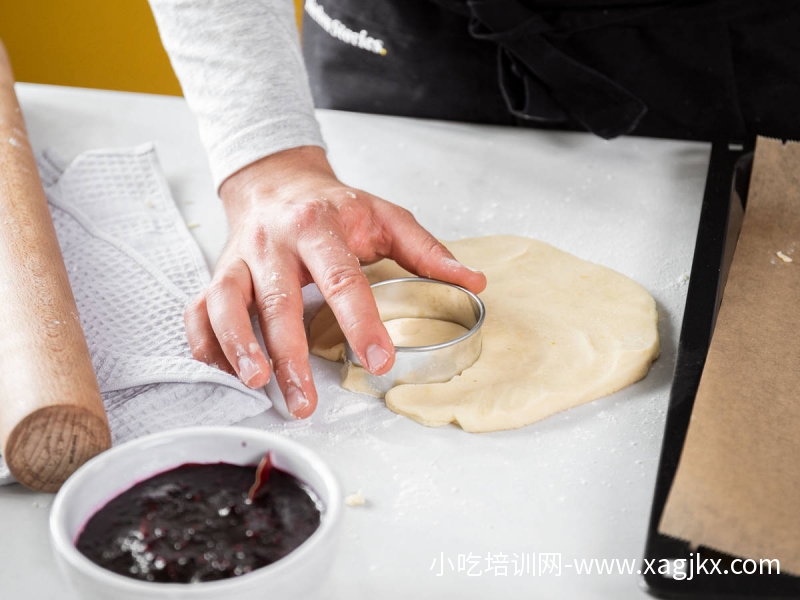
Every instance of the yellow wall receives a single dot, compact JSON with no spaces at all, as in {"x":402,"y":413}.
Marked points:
{"x":109,"y":44}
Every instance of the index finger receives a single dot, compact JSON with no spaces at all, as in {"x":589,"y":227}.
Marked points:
{"x":344,"y":286}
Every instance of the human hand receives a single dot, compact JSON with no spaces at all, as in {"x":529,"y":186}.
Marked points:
{"x":292,"y":222}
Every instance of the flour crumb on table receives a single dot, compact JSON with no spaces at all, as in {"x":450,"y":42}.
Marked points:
{"x":356,"y":499}
{"x":192,"y":225}
{"x":783,"y":257}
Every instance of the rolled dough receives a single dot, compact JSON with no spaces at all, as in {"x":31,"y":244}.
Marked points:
{"x":559,"y":331}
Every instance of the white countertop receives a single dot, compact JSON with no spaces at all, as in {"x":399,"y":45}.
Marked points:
{"x":579,"y":483}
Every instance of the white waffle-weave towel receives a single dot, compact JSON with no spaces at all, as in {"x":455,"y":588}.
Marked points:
{"x":133,"y":267}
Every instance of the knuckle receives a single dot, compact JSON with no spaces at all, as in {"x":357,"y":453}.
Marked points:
{"x":221,"y":285}
{"x":195,"y":308}
{"x":341,"y":279}
{"x":228,"y":337}
{"x":273,"y":302}
{"x":306,"y":214}
{"x":259,"y":237}
{"x":402,"y":216}
{"x":430,"y":249}
{"x":354,"y":322}
{"x":433,"y":247}
{"x":405,"y":214}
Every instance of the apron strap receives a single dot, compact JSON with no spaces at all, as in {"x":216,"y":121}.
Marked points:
{"x":541,"y":83}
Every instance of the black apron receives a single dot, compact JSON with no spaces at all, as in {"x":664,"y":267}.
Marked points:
{"x":698,"y":70}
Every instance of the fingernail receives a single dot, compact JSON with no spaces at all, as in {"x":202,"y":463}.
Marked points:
{"x":247,"y":368}
{"x":296,"y":401}
{"x":376,"y":357}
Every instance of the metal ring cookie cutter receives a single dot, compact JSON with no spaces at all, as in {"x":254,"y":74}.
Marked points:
{"x":417,"y":297}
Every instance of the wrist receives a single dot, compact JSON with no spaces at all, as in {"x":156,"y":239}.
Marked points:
{"x":273,"y":176}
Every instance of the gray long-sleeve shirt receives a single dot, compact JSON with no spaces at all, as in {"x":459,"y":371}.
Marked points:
{"x":242,"y":73}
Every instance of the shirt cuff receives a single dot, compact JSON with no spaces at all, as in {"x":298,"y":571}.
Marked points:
{"x":262,"y":139}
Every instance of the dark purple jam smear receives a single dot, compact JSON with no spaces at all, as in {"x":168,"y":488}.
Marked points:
{"x":195,"y":523}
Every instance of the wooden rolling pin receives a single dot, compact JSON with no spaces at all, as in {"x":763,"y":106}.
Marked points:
{"x":52,"y":418}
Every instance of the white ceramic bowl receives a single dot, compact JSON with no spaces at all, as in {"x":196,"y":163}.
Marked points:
{"x":116,"y":470}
